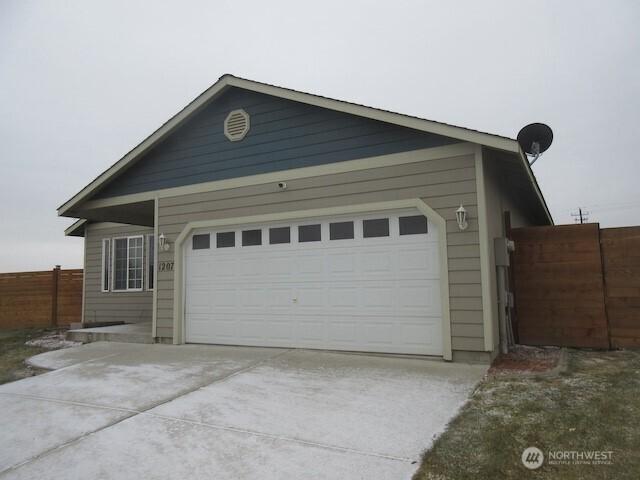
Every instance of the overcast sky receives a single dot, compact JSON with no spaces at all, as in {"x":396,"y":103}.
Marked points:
{"x":82,"y":82}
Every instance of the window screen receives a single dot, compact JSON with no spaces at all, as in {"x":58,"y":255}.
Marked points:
{"x":279,"y":235}
{"x":309,"y":233}
{"x":120,"y":264}
{"x":251,"y":237}
{"x":135,"y":263}
{"x":201,"y":242}
{"x":341,"y":230}
{"x":375,"y":228}
{"x":225,"y":239}
{"x":413,"y":225}
{"x":106,"y":264}
{"x":151,"y":261}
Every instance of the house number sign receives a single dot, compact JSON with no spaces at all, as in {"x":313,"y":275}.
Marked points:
{"x":166,"y":266}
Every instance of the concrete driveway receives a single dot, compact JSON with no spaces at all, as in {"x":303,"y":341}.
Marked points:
{"x":128,"y":411}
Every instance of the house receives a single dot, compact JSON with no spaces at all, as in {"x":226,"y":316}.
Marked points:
{"x":264,"y":216}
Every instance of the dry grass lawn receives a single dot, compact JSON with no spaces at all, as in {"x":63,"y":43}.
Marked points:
{"x":592,"y":404}
{"x":14,"y":352}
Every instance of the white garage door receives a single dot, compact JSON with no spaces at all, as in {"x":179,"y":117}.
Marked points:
{"x":361,"y":283}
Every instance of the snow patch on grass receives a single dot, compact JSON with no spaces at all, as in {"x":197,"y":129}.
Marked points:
{"x":52,"y":341}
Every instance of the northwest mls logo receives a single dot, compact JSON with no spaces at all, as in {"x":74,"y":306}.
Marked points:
{"x":532,"y":458}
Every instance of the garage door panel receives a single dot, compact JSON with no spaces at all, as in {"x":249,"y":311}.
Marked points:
{"x":341,"y":262}
{"x":343,"y":297}
{"x":380,"y":333}
{"x":311,"y":297}
{"x":380,"y":298}
{"x":225,"y":268}
{"x":311,"y":331}
{"x":253,"y":297}
{"x":279,"y":298}
{"x":378,"y":262}
{"x":199,"y":270}
{"x":365,"y":294}
{"x":310,"y":265}
{"x":221,"y":298}
{"x":342,"y":333}
{"x":419,"y":260}
{"x":423,"y":298}
{"x":200,"y":301}
{"x":279,"y":267}
{"x":418,"y":335}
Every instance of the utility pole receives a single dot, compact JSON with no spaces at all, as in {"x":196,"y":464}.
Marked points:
{"x":581,"y":216}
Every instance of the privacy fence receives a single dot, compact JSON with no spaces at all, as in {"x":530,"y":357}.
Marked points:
{"x":577,"y":286}
{"x":40,"y":299}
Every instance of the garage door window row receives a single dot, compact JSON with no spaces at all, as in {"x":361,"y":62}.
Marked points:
{"x":371,"y":228}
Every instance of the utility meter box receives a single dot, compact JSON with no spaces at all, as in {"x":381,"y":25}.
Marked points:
{"x":502,"y":247}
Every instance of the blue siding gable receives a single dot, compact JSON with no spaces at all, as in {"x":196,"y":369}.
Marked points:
{"x":284,"y":134}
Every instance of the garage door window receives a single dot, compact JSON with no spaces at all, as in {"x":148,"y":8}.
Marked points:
{"x":279,"y":235}
{"x":201,"y":242}
{"x":341,"y":230}
{"x":309,"y":233}
{"x":413,"y":225}
{"x":225,"y":239}
{"x":375,"y":228}
{"x":251,"y":237}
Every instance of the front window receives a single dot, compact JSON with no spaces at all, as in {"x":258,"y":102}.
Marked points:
{"x":128,"y":263}
{"x":135,"y":249}
{"x":106,"y":264}
{"x":151,"y":261}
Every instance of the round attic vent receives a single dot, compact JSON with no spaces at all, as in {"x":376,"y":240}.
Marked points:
{"x":236,"y":125}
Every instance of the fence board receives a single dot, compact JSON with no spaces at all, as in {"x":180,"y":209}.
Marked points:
{"x":26,"y":298}
{"x":559,"y":286}
{"x":621,"y":253}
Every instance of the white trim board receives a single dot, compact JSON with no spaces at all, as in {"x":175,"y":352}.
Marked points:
{"x":460,"y":133}
{"x":485,"y":245}
{"x":432,"y":215}
{"x":154,"y":307}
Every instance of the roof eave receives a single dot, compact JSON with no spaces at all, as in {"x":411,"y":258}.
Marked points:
{"x":76,"y":229}
{"x":534,"y":183}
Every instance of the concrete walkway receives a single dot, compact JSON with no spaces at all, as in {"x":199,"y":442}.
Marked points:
{"x":131,"y":411}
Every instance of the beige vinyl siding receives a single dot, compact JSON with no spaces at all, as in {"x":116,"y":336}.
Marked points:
{"x":130,"y":307}
{"x":442,"y":183}
{"x":500,"y":199}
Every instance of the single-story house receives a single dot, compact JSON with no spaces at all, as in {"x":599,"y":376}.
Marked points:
{"x":264,"y":216}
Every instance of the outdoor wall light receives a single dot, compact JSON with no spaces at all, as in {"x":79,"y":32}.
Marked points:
{"x":163,"y":243}
{"x":461,"y":218}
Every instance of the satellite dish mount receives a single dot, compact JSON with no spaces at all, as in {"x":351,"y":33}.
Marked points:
{"x":535,"y":139}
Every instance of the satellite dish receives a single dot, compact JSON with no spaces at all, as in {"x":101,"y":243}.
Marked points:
{"x":534,"y":139}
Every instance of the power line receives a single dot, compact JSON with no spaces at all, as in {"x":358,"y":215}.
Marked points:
{"x":581,"y":216}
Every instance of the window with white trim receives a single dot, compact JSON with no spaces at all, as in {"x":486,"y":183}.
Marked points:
{"x":128,"y":267}
{"x":106,"y":264}
{"x":151,"y":261}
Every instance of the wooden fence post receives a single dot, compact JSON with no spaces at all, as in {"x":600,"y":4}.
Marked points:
{"x":55,"y":274}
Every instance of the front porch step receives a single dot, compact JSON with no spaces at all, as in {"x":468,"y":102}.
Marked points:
{"x":131,"y":333}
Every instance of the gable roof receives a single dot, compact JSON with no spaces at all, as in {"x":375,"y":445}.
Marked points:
{"x":76,"y":229}
{"x":227,"y":80}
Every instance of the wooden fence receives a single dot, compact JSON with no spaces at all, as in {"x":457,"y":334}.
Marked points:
{"x":577,"y":285}
{"x":40,"y":299}
{"x":621,"y":264}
